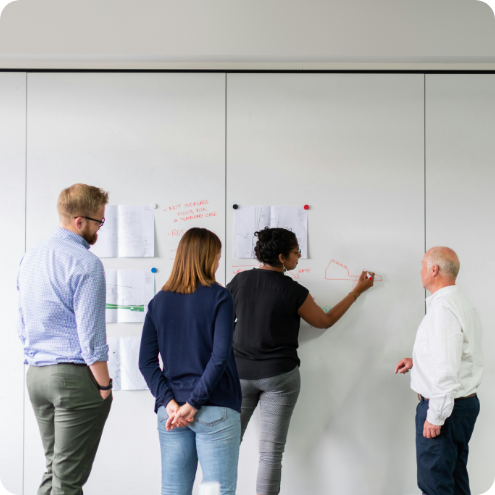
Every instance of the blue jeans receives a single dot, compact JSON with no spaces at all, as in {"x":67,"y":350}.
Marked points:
{"x":213,"y":438}
{"x":442,"y":461}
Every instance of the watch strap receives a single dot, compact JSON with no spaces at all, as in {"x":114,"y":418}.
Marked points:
{"x":109,"y":387}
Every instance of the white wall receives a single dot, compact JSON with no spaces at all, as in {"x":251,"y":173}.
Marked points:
{"x":279,"y":31}
{"x":352,"y":147}
{"x":460,"y":212}
{"x":145,"y":138}
{"x":12,"y":218}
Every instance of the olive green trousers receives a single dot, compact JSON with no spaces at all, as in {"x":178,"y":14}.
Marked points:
{"x":71,"y":415}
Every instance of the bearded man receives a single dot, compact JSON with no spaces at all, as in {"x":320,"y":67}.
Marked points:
{"x":61,"y":289}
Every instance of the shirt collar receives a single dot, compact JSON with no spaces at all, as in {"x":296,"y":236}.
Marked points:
{"x":68,"y":235}
{"x":441,"y":293}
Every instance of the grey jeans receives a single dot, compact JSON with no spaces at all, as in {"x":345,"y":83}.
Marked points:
{"x":71,"y":415}
{"x":277,"y":397}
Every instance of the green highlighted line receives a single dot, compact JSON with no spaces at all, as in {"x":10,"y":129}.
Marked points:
{"x":139,"y":308}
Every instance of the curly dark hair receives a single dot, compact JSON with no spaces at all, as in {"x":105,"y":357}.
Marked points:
{"x":273,"y":242}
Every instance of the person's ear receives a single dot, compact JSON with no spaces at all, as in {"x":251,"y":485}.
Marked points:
{"x":434,"y":270}
{"x":78,"y":222}
{"x":281,"y":258}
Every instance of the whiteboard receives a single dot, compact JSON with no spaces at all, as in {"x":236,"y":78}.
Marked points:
{"x":146,"y":138}
{"x":351,"y":147}
{"x":12,"y":217}
{"x":460,"y":213}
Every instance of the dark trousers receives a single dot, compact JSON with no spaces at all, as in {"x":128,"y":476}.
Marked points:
{"x":71,"y":414}
{"x":442,"y":461}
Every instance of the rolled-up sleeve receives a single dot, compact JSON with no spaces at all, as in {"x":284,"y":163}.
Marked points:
{"x":445,"y":340}
{"x":89,"y":308}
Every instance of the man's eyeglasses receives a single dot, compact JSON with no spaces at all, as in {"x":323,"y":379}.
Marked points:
{"x":101,"y":222}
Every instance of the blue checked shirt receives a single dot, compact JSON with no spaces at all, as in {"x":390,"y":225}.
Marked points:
{"x":61,"y":289}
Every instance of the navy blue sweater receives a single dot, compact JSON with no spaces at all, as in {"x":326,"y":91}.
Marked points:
{"x":193,"y":334}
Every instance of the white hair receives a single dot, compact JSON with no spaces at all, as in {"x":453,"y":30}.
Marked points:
{"x":446,"y":259}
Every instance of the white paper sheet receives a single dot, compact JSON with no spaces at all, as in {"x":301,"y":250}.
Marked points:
{"x":249,"y":219}
{"x":128,"y":232}
{"x":123,"y":363}
{"x":128,"y":295}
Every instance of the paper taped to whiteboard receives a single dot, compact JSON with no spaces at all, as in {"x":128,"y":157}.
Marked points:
{"x":249,"y":219}
{"x":128,"y":232}
{"x":128,"y":295}
{"x":123,"y":363}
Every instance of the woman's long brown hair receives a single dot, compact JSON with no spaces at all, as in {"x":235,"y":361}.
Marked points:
{"x":194,"y":262}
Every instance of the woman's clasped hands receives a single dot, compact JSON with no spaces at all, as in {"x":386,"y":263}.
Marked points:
{"x":179,"y":416}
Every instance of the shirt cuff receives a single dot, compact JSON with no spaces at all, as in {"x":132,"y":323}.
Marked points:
{"x":165,"y":398}
{"x":434,"y":419}
{"x":194,"y":403}
{"x":99,"y":353}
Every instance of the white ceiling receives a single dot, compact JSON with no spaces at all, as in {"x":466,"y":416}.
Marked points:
{"x":249,"y":31}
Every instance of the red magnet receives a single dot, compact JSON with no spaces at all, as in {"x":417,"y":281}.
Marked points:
{"x":306,"y":207}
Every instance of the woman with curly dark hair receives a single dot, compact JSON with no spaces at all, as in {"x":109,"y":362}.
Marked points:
{"x":269,"y":307}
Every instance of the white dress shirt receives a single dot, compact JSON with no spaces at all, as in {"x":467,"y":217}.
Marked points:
{"x":447,"y":354}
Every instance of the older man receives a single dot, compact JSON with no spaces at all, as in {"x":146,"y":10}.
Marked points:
{"x":446,"y":370}
{"x":62,"y":328}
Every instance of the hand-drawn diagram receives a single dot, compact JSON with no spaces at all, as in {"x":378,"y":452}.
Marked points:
{"x":338,"y":271}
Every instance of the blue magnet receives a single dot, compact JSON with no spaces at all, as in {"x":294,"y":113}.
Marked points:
{"x":153,"y":270}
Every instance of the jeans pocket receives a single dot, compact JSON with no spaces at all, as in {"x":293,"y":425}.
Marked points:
{"x":162,"y":414}
{"x":211,"y":415}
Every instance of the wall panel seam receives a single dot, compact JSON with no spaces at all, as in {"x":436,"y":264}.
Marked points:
{"x":25,"y":247}
{"x":424,"y":160}
{"x":225,"y":197}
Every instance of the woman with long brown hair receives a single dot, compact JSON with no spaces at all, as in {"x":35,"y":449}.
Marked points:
{"x":190,"y":323}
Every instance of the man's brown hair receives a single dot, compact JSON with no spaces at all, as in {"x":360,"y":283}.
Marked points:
{"x":80,"y":200}
{"x":195,"y":261}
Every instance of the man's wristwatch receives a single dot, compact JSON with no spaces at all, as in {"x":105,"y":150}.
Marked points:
{"x":109,"y":387}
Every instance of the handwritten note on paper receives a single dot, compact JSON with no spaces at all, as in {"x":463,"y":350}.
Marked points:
{"x":123,"y":363}
{"x":128,"y":232}
{"x":184,"y":216}
{"x":249,"y":219}
{"x":128,"y":295}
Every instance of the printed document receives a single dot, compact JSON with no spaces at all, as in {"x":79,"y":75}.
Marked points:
{"x":128,"y":232}
{"x":123,"y":363}
{"x":128,"y":295}
{"x":249,"y":219}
